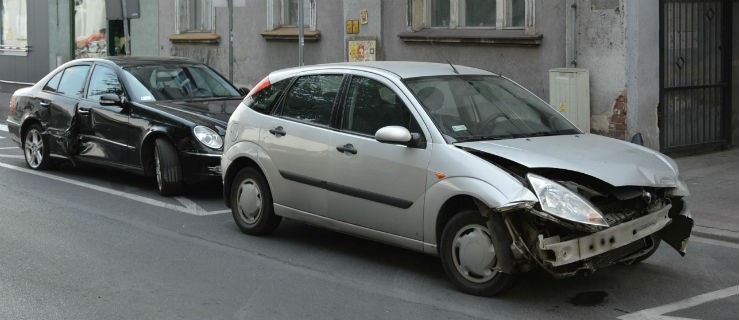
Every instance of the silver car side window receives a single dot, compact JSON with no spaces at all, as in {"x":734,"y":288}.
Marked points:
{"x":370,"y":105}
{"x":311,"y":98}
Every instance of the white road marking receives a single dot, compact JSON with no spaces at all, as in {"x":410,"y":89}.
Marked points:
{"x":3,"y":128}
{"x":194,"y":207}
{"x":122,"y":194}
{"x":721,"y":243}
{"x":6,"y":148}
{"x":13,"y":156}
{"x":658,"y":312}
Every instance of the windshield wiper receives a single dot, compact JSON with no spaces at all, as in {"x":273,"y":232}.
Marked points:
{"x":549,"y":133}
{"x":214,"y":98}
{"x":478,"y":138}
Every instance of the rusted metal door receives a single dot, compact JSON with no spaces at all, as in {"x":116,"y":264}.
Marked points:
{"x":695,"y":74}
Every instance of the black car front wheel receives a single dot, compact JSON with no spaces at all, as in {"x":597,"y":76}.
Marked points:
{"x":472,"y":254}
{"x":167,"y":168}
{"x":35,"y":148}
{"x":251,"y":203}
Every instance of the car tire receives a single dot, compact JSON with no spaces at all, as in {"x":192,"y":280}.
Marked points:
{"x":465,"y":239}
{"x":251,"y":203}
{"x":167,"y":168}
{"x":36,"y":148}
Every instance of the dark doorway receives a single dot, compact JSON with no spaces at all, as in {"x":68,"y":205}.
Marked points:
{"x":695,"y":74}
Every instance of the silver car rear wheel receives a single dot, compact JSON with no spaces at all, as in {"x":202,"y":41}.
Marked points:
{"x":251,"y":203}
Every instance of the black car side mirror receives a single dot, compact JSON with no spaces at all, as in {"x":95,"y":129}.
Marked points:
{"x":110,"y":99}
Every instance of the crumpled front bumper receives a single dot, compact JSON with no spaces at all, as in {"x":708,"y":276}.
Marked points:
{"x":675,"y":230}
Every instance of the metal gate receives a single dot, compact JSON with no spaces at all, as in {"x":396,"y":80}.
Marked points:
{"x":695,"y":74}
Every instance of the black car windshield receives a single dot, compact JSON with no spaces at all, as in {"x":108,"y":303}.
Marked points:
{"x":480,"y":107}
{"x":177,"y":82}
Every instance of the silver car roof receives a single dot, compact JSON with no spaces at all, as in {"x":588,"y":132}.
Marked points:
{"x":400,"y":69}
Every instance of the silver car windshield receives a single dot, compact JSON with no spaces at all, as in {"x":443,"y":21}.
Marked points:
{"x":478,"y":107}
{"x":177,"y":82}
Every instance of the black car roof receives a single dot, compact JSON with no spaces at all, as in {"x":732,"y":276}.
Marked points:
{"x":129,"y":60}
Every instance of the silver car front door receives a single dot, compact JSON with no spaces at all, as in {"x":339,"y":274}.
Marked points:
{"x":297,"y":142}
{"x":371,"y":184}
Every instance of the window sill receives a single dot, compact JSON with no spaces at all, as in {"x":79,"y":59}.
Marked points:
{"x":8,"y":50}
{"x":291,"y":33}
{"x":195,"y":38}
{"x":473,"y":36}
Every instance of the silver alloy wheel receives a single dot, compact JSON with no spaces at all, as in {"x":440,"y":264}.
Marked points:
{"x":34,"y":148}
{"x":249,"y":204}
{"x":158,"y":169}
{"x":473,"y":253}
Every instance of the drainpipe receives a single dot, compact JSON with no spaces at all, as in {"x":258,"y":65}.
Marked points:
{"x":571,"y":35}
{"x":231,"y":40}
{"x":301,"y":36}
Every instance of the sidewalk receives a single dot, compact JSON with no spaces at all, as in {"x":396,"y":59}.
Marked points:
{"x":713,"y":180}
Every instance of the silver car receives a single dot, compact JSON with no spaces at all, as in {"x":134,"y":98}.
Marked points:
{"x":451,"y":161}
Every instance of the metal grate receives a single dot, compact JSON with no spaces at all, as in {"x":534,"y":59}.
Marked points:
{"x":695,"y":44}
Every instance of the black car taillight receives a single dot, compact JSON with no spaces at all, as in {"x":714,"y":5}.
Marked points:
{"x":11,"y":106}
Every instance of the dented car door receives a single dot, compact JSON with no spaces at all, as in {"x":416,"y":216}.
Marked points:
{"x":104,"y":130}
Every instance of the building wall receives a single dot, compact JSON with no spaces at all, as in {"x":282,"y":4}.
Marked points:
{"x":145,"y":30}
{"x":642,"y":70}
{"x":35,"y":64}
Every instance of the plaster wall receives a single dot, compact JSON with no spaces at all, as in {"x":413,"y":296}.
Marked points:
{"x":642,"y":70}
{"x":527,"y":65}
{"x":59,"y":28}
{"x":601,"y":48}
{"x":145,"y":30}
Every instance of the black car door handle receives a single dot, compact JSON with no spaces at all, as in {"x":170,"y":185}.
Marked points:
{"x":279,"y":131}
{"x":347,"y":148}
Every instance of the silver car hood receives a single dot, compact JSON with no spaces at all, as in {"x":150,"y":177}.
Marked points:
{"x":616,"y":162}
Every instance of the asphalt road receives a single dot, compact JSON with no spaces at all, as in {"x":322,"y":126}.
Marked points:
{"x":87,"y":243}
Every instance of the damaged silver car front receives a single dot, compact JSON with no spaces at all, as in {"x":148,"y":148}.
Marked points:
{"x":580,"y":224}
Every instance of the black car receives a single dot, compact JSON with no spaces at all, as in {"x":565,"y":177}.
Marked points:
{"x":163,"y":117}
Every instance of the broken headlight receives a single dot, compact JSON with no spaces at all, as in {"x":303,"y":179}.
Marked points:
{"x":556,"y":200}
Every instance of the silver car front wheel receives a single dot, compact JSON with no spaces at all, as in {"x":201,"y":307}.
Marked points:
{"x":472,"y":255}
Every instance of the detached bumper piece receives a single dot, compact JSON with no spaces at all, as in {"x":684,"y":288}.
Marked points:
{"x":559,"y":253}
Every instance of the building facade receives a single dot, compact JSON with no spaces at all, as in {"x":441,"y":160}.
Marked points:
{"x":666,"y":70}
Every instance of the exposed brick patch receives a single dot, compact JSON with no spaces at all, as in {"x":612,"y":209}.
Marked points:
{"x":617,"y":125}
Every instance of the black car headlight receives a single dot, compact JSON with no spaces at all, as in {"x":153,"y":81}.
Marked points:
{"x":559,"y":201}
{"x":208,"y":137}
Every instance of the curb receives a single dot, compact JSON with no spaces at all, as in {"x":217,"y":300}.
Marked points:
{"x":715,"y":234}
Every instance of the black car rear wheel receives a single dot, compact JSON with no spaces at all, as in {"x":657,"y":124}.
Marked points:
{"x":167,"y":168}
{"x":35,"y":148}
{"x":251,"y":203}
{"x":472,"y":254}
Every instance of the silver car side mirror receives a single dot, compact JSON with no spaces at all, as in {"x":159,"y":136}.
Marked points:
{"x":393,"y":134}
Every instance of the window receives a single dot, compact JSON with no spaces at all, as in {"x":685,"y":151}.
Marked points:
{"x":103,"y":80}
{"x":195,"y":16}
{"x":73,"y":81}
{"x":263,"y":100}
{"x":13,"y":27}
{"x":370,"y":105}
{"x":499,"y":14}
{"x":53,"y":84}
{"x":311,"y":98}
{"x":290,"y":12}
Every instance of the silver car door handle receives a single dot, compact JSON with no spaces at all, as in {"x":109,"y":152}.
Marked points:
{"x":83,"y":110}
{"x":45,"y":103}
{"x":347,"y":148}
